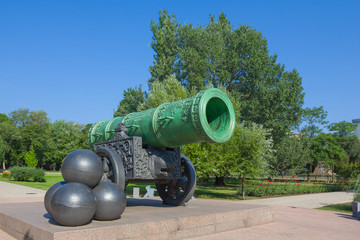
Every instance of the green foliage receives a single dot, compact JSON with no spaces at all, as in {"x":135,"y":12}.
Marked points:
{"x":10,"y":143}
{"x":23,"y":117}
{"x":291,"y":156}
{"x":351,"y":145}
{"x":346,"y":170}
{"x":30,"y":158}
{"x":245,"y":154}
{"x":343,"y":128}
{"x":37,"y":175}
{"x":5,"y":119}
{"x":327,"y":150}
{"x":313,"y":120}
{"x":65,"y":137}
{"x":6,"y":174}
{"x":27,"y":174}
{"x":132,"y":98}
{"x":164,"y":42}
{"x":169,"y":90}
{"x":283,"y":188}
{"x":237,"y":59}
{"x":357,"y":190}
{"x":84,"y":137}
{"x":34,"y":130}
{"x":51,"y":141}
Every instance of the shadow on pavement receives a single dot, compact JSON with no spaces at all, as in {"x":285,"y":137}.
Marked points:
{"x":347,"y":216}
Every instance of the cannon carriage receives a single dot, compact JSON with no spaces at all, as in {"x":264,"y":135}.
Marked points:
{"x":145,"y":146}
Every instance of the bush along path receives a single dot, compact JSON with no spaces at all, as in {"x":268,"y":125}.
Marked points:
{"x":291,"y":187}
{"x":266,"y":188}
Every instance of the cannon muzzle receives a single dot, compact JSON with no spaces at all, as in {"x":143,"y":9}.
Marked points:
{"x":207,"y":117}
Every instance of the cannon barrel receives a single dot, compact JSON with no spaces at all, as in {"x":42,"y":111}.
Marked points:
{"x":207,"y":117}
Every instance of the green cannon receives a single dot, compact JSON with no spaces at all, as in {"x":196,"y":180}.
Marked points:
{"x":145,"y":146}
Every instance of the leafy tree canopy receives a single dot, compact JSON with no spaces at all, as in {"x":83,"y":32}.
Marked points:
{"x":291,"y":155}
{"x":24,"y":117}
{"x":132,"y":98}
{"x":4,"y":118}
{"x":326,"y":149}
{"x":245,"y":154}
{"x":342,"y":128}
{"x":65,"y":137}
{"x":313,"y":121}
{"x":237,"y":59}
{"x":170,"y":90}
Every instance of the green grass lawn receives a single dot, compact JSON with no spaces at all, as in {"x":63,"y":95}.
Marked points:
{"x":341,"y":207}
{"x":203,"y":190}
{"x":50,"y":180}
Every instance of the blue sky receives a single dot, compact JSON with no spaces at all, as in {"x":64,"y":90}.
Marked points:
{"x":74,"y":59}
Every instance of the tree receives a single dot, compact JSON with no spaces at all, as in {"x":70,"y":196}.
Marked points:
{"x":5,"y":119}
{"x":342,"y":128}
{"x":30,"y":158}
{"x":65,"y":137}
{"x":23,"y":117}
{"x":291,"y":155}
{"x":326,"y":150}
{"x":165,"y":45}
{"x":344,"y":132}
{"x":84,"y":137}
{"x":313,"y":120}
{"x":244,"y":155}
{"x":10,"y":144}
{"x":34,"y":129}
{"x":4,"y":148}
{"x":132,"y":98}
{"x":249,"y":148}
{"x":237,"y":59}
{"x":170,"y":90}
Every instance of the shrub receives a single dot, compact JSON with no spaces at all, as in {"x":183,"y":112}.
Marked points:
{"x":38,"y":175}
{"x":6,"y":174}
{"x":357,"y":190}
{"x":273,"y":189}
{"x":27,"y":174}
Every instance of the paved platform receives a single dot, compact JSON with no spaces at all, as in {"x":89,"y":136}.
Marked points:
{"x":292,"y":223}
{"x":314,"y":200}
{"x":142,"y":219}
{"x":10,"y":190}
{"x":293,"y":217}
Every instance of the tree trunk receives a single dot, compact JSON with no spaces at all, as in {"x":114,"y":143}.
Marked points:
{"x":309,"y":172}
{"x":3,"y":163}
{"x":219,"y":181}
{"x":243,"y":188}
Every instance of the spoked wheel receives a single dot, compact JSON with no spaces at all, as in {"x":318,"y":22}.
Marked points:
{"x":113,"y":167}
{"x":179,"y":191}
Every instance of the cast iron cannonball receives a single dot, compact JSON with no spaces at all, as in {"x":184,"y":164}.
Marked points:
{"x":110,"y":201}
{"x":49,"y":194}
{"x":73,"y":204}
{"x":82,"y":166}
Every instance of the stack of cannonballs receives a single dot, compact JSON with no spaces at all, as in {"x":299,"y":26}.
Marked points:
{"x":82,"y":196}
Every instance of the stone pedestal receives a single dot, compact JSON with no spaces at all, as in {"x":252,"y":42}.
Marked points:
{"x":143,"y":219}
